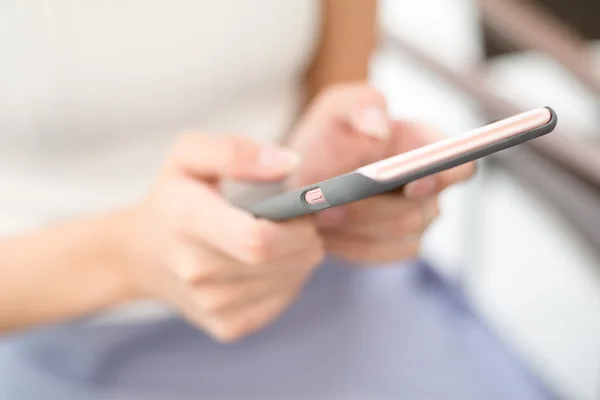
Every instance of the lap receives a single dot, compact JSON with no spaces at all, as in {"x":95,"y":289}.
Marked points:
{"x":396,"y":332}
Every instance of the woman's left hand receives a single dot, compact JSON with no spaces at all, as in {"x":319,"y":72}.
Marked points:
{"x":347,"y":127}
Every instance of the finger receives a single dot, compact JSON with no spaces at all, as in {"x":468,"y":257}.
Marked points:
{"x":409,"y":136}
{"x":365,"y":211}
{"x":430,"y":210}
{"x":358,"y":105}
{"x":211,"y":157}
{"x":199,"y":263}
{"x":307,"y":258}
{"x":225,"y":297}
{"x":203,"y":215}
{"x":229,"y":318}
{"x":264,"y":242}
{"x":359,"y":250}
{"x":345,"y":128}
{"x":457,"y":174}
{"x":238,"y":323}
{"x":422,"y":188}
{"x":395,"y":226}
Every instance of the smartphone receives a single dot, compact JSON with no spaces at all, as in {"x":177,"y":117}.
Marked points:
{"x":394,"y":172}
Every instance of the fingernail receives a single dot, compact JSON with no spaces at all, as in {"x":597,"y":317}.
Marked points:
{"x":373,"y":122}
{"x":419,"y":189}
{"x":284,"y":160}
{"x":332,"y":217}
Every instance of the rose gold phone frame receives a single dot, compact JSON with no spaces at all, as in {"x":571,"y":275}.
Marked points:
{"x":447,"y":149}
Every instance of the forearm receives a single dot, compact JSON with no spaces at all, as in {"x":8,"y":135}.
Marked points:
{"x":63,"y":272}
{"x":348,"y":37}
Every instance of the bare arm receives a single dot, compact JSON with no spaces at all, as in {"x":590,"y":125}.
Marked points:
{"x":348,"y":39}
{"x":62,"y":272}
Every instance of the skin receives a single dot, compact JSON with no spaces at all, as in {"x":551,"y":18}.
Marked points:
{"x":227,"y":272}
{"x":345,"y":22}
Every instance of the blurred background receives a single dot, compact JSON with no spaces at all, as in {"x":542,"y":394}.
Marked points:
{"x":523,"y":238}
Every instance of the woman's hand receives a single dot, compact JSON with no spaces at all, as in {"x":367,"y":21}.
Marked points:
{"x":225,"y":270}
{"x":348,"y":127}
{"x":228,"y":272}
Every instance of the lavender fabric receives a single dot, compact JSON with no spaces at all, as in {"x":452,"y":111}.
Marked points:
{"x":391,"y":333}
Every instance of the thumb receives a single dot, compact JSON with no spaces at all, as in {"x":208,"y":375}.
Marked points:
{"x":210,"y":157}
{"x":345,"y":128}
{"x":357,"y":106}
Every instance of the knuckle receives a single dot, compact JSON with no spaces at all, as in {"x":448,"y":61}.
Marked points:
{"x":375,"y":95}
{"x":412,"y":248}
{"x":241,"y":326}
{"x":184,"y":265}
{"x":245,"y":323}
{"x":214,"y":299}
{"x":413,"y":221}
{"x":191,"y":272}
{"x":315,"y":255}
{"x":225,"y":337}
{"x":224,"y":333}
{"x":198,"y":274}
{"x":238,"y":151}
{"x":214,"y":304}
{"x":232,"y":330}
{"x":259,"y":246}
{"x":239,"y":147}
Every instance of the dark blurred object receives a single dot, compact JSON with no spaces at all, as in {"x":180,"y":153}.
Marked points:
{"x":583,"y":14}
{"x":526,"y":25}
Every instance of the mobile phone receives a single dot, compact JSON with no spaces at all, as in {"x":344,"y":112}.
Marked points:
{"x":394,"y":172}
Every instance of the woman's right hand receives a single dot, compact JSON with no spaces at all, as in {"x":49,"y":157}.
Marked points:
{"x":226,"y":271}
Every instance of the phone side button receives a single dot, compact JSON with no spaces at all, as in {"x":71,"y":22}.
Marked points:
{"x":314,"y":197}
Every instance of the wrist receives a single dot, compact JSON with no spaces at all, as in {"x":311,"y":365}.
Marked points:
{"x":65,"y":271}
{"x":107,"y":261}
{"x":118,"y":234}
